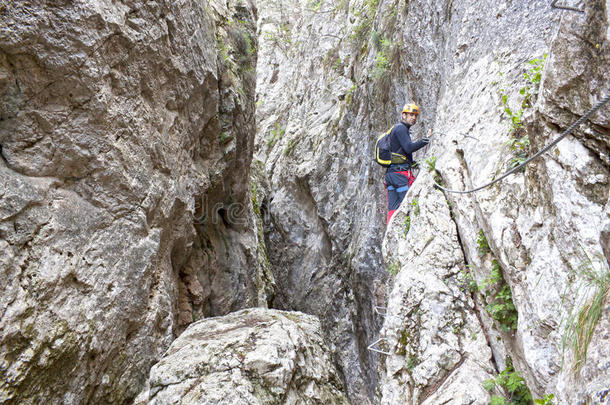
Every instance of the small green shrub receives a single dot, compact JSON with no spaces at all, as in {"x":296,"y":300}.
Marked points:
{"x":289,"y":148}
{"x":520,"y":148}
{"x":316,"y":5}
{"x":415,"y":207}
{"x":547,"y":400}
{"x":483,"y":245}
{"x":382,"y":60}
{"x":500,"y":299}
{"x":495,"y":277}
{"x":224,"y":137}
{"x":470,"y":283}
{"x":412,"y":362}
{"x":277,"y":132}
{"x":519,"y":142}
{"x":393,"y":268}
{"x":431,"y":163}
{"x":511,"y":382}
{"x":407,"y":224}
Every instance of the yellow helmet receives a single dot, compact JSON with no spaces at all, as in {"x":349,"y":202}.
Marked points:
{"x":411,"y":109}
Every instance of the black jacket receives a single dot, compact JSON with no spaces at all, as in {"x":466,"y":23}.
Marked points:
{"x":400,"y":142}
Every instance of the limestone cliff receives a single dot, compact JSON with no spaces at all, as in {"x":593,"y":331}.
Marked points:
{"x":126,"y":133}
{"x":163,"y":162}
{"x":496,"y":82}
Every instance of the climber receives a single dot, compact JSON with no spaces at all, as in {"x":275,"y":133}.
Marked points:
{"x":399,"y":177}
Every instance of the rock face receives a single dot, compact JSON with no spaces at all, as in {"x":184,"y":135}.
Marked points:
{"x":435,"y":343}
{"x":253,"y":356}
{"x":130,"y":206}
{"x":542,"y":248}
{"x":126,"y":133}
{"x":331,"y":76}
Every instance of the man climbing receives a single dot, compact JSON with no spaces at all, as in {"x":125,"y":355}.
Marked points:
{"x":399,"y":177}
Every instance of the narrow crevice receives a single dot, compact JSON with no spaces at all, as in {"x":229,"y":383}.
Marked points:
{"x":473,"y":295}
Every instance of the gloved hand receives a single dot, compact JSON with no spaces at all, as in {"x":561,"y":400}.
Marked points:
{"x":425,"y":141}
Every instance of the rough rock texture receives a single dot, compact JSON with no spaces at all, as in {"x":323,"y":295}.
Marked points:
{"x":323,"y":232}
{"x":436,"y":344}
{"x":332,"y":75}
{"x":253,"y":356}
{"x":126,"y":133}
{"x":541,"y":226}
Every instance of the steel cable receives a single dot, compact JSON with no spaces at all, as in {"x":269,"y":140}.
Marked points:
{"x":545,"y":149}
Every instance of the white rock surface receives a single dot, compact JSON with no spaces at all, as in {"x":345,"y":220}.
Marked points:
{"x":253,"y":356}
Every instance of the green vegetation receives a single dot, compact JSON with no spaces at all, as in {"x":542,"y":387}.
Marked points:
{"x":500,"y":298}
{"x":483,"y":245}
{"x":520,"y":148}
{"x":393,"y":268}
{"x":350,"y":93}
{"x":366,"y":14}
{"x":276,"y":134}
{"x":288,"y":149}
{"x":513,"y":385}
{"x":412,"y":362}
{"x":547,"y":400}
{"x":382,"y":60}
{"x":407,"y":224}
{"x":280,"y":37}
{"x":581,"y":323}
{"x":224,"y":137}
{"x":315,"y":5}
{"x":430,"y":163}
{"x":415,"y":206}
{"x":470,"y":283}
{"x":519,"y":142}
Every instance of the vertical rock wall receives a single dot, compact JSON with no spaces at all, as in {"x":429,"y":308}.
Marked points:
{"x":126,"y":133}
{"x":541,"y":225}
{"x":333,"y":75}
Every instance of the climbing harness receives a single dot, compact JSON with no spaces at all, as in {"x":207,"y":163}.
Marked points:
{"x":569,"y":8}
{"x":549,"y":146}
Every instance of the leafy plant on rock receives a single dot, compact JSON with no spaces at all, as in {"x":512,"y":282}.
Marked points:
{"x":499,"y":299}
{"x":519,"y":142}
{"x":513,"y":385}
{"x":482,"y":242}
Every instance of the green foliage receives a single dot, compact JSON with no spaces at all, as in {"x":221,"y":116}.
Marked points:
{"x":547,"y":400}
{"x":382,"y":60}
{"x":500,"y":304}
{"x":290,"y":147}
{"x":519,"y":142}
{"x":503,"y":310}
{"x":393,"y":268}
{"x":513,"y":385}
{"x":483,"y":245}
{"x":280,"y":37}
{"x":224,"y":137}
{"x":520,"y":148}
{"x":415,"y":206}
{"x":581,"y":323}
{"x":350,"y":94}
{"x":315,"y":5}
{"x":495,"y":277}
{"x":412,"y":362}
{"x":469,"y":282}
{"x":366,"y":14}
{"x":407,"y":224}
{"x":276,"y":134}
{"x":431,"y":163}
